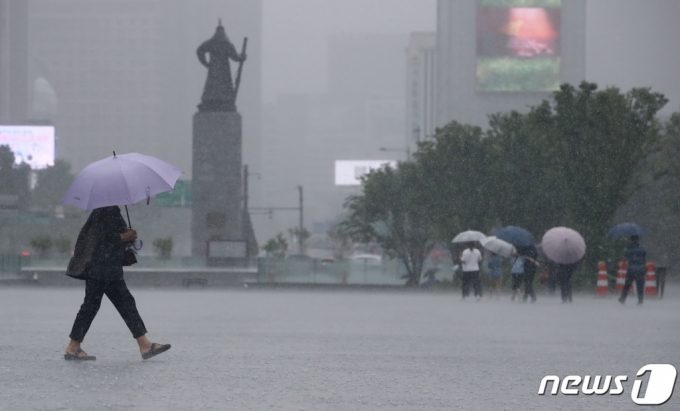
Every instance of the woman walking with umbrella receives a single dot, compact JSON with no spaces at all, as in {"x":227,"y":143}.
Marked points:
{"x":98,"y":257}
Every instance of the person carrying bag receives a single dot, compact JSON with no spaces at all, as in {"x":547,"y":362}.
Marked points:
{"x":98,"y":259}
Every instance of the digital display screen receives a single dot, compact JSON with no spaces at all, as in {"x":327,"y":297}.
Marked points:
{"x":518,"y":45}
{"x":33,"y":145}
{"x":349,"y":172}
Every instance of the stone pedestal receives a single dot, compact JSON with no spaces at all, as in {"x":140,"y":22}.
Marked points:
{"x":217,"y":213}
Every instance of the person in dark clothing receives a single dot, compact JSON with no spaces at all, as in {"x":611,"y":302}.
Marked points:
{"x":530,"y":266}
{"x":98,"y":259}
{"x":636,"y":255}
{"x":553,"y":280}
{"x":563,"y":274}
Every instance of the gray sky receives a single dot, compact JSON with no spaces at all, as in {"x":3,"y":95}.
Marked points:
{"x":296,"y":32}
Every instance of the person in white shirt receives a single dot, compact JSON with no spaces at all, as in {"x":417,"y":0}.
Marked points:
{"x":470,"y":259}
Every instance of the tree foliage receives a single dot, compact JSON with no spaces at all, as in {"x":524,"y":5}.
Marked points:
{"x":14,"y":178}
{"x":394,"y":212}
{"x":42,"y":244}
{"x":568,"y":161}
{"x":276,"y":247}
{"x":53,"y":182}
{"x":299,"y":236}
{"x":666,"y":166}
{"x":163,"y":247}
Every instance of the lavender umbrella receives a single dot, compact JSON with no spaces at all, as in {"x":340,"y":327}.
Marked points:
{"x":563,"y":245}
{"x":125,"y":179}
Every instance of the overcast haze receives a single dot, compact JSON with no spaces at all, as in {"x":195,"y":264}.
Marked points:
{"x":296,"y":32}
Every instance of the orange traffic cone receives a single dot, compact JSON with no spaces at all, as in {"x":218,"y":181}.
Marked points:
{"x":602,"y":283}
{"x":621,"y":276}
{"x":650,"y":281}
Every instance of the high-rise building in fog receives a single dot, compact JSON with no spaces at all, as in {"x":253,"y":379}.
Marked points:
{"x":362,"y":111}
{"x":498,"y":55}
{"x":420,"y":86}
{"x":127,"y":77}
{"x":14,"y":86}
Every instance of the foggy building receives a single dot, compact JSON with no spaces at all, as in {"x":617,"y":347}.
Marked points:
{"x":14,"y":86}
{"x":303,"y":134}
{"x":420,"y":86}
{"x":127,"y":77}
{"x":483,"y":48}
{"x":483,"y":53}
{"x":634,"y":44}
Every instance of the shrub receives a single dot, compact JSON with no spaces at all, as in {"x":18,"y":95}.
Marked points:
{"x":163,"y":247}
{"x":63,"y":245}
{"x":42,"y":244}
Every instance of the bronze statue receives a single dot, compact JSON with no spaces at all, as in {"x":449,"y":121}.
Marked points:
{"x":219,"y":93}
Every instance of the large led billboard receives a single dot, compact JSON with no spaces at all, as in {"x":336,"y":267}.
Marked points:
{"x":33,"y":145}
{"x":349,"y":172}
{"x":518,"y":45}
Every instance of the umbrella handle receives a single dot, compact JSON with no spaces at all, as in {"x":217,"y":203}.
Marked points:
{"x":128,"y":216}
{"x":141,"y":244}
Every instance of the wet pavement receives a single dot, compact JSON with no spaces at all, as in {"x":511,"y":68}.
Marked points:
{"x":248,"y":349}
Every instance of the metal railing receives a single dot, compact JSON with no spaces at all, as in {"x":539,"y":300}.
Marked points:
{"x":10,"y":266}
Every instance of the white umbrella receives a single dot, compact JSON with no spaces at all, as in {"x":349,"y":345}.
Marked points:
{"x":468,"y":236}
{"x":498,"y":246}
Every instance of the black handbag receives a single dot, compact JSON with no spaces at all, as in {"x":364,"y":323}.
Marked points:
{"x":129,"y":256}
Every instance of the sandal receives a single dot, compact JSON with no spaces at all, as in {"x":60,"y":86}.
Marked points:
{"x":155,"y":350}
{"x":76,"y":357}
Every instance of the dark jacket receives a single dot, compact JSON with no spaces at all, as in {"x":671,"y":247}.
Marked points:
{"x":636,"y":255}
{"x":99,"y":251}
{"x":532,"y":252}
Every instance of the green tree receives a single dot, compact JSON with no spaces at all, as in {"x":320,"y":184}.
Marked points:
{"x":394,"y":212}
{"x":163,"y":247}
{"x":42,"y":244}
{"x":341,"y":241}
{"x":63,"y":245}
{"x":299,"y":236}
{"x":524,"y":178}
{"x":276,"y":247}
{"x":665,"y":163}
{"x":455,"y":166}
{"x":53,"y":182}
{"x":14,"y":178}
{"x":602,"y":138}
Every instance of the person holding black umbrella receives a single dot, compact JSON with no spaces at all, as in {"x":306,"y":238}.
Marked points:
{"x":98,"y":259}
{"x":636,"y":255}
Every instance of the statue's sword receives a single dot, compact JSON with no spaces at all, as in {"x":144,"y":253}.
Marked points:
{"x":240,"y":67}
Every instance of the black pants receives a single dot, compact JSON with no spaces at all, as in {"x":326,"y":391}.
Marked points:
{"x":529,"y":285}
{"x":552,"y":282}
{"x":639,"y":279}
{"x":517,"y":281}
{"x":565,"y":285}
{"x":471,"y":277}
{"x":121,"y":298}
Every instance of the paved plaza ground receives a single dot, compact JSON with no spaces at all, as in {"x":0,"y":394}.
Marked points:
{"x":254,"y":349}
